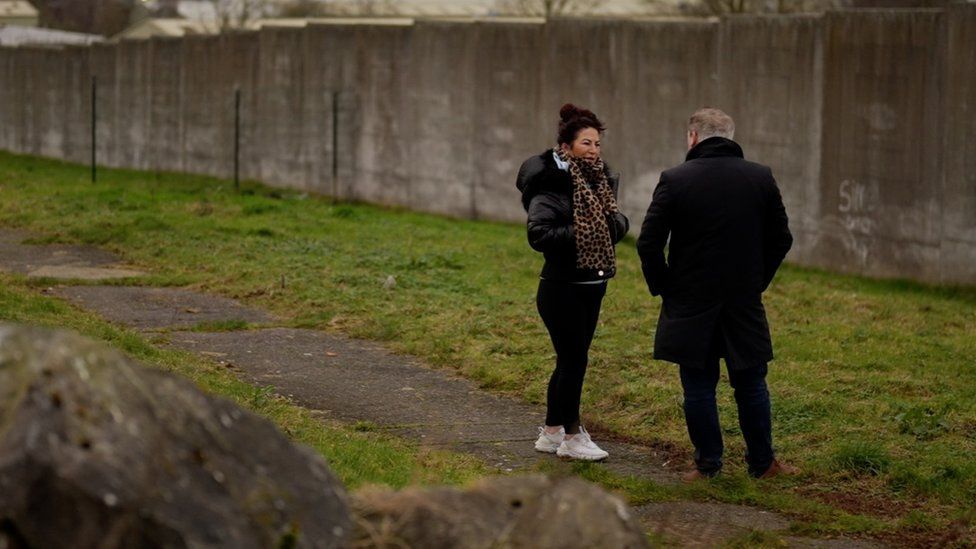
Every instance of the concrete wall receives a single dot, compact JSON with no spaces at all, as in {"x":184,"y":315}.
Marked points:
{"x":958,"y":213}
{"x":865,"y":116}
{"x":770,"y":73}
{"x":881,"y":184}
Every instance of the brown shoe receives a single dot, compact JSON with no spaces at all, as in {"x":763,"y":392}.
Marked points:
{"x":778,"y":468}
{"x":695,"y":475}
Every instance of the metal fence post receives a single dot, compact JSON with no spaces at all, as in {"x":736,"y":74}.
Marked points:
{"x":94,"y":120}
{"x":335,"y":146}
{"x":237,"y":138}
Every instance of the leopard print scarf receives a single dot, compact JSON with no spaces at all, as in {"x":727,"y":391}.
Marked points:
{"x":592,"y":205}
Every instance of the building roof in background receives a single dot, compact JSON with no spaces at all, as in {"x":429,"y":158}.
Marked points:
{"x":203,"y":10}
{"x":147,"y":28}
{"x":487,"y":8}
{"x":17,"y":8}
{"x":12,"y":35}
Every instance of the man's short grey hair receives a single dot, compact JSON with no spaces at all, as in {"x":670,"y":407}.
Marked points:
{"x":708,"y":122}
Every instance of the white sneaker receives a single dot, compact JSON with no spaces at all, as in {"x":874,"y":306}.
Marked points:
{"x":548,"y":443}
{"x":580,"y":446}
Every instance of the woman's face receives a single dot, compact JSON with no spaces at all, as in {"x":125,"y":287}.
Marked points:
{"x":585,"y":146}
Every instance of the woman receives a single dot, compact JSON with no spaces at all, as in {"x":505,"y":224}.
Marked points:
{"x":573,"y":219}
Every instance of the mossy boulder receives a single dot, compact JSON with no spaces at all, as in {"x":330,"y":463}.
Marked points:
{"x":99,"y":451}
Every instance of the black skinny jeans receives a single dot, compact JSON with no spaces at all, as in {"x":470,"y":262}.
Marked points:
{"x":570,"y":313}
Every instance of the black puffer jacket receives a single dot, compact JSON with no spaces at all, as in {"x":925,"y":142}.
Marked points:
{"x":547,"y":195}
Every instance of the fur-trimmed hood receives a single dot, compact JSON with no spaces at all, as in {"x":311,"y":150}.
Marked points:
{"x":540,"y":173}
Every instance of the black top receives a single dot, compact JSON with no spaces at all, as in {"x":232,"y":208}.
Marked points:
{"x":547,"y":195}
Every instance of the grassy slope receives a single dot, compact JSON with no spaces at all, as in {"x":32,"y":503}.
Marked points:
{"x":873,"y":386}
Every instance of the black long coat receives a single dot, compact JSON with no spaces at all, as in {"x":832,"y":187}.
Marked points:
{"x":729,"y":234}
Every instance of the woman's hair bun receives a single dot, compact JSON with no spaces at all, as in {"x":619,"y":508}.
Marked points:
{"x":572,"y":119}
{"x":569,"y":111}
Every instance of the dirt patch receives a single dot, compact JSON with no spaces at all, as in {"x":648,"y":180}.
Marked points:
{"x":706,"y":524}
{"x":861,"y":502}
{"x":693,"y":524}
{"x":832,"y":543}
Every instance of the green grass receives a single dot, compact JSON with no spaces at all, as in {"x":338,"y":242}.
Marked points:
{"x":874,"y":392}
{"x":357,"y":458}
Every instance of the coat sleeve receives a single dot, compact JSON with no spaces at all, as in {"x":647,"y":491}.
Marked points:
{"x":619,"y":225}
{"x":618,"y":222}
{"x":549,"y":230}
{"x":776,"y":234}
{"x":654,"y":234}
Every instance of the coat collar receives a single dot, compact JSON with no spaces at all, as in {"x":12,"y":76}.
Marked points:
{"x":715,"y":147}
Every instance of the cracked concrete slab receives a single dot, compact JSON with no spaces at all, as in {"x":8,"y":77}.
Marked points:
{"x":62,"y":261}
{"x":159,"y":308}
{"x":353,"y":380}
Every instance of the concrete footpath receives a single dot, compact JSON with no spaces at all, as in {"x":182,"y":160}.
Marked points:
{"x":360,"y":381}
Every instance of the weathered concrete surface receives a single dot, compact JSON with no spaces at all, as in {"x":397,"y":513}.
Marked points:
{"x":354,"y":380}
{"x":103,"y":63}
{"x":59,"y":260}
{"x":158,"y":308}
{"x":77,"y":104}
{"x":863,"y":115}
{"x":958,"y":257}
{"x":166,"y":104}
{"x":770,"y":72}
{"x":130,"y":116}
{"x":280,"y":125}
{"x":881,"y":191}
{"x":208,"y":127}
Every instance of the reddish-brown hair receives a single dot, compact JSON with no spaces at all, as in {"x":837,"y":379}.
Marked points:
{"x":573,"y":119}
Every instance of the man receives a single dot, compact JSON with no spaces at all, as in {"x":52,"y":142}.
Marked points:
{"x":729,"y":234}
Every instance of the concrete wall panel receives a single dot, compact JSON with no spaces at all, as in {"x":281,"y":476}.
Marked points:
{"x":959,"y":196}
{"x":237,"y":68}
{"x":382,"y":152}
{"x":9,"y":103}
{"x":132,"y":91}
{"x":51,"y":96}
{"x":881,"y":181}
{"x":33,"y":75}
{"x":437,"y":118}
{"x":508,"y":124}
{"x":77,"y":105}
{"x":330,"y":77}
{"x":662,"y":72}
{"x":103,"y":67}
{"x":279,"y":131}
{"x":165,"y":108}
{"x":208,"y":103}
{"x":770,"y":74}
{"x":319,"y":87}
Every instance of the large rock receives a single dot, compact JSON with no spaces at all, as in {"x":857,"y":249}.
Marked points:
{"x":532,"y":511}
{"x":97,"y":451}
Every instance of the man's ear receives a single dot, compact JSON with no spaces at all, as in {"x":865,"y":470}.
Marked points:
{"x":692,"y":139}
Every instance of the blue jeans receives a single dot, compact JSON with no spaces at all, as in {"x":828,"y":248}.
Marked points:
{"x":701,"y":415}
